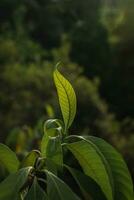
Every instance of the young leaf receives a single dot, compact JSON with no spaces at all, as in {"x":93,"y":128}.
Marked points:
{"x":58,"y":190}
{"x":30,"y":159}
{"x":54,"y":151}
{"x":36,"y":192}
{"x":10,"y":187}
{"x":8,"y":159}
{"x":67,"y":98}
{"x":52,"y":128}
{"x":93,"y":165}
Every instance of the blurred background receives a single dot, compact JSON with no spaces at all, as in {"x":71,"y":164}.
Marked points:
{"x":94,"y":40}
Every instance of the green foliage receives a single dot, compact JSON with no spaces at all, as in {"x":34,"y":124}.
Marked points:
{"x":57,"y":189}
{"x":11,"y":186}
{"x":41,"y":174}
{"x":52,"y":128}
{"x":98,"y":36}
{"x":119,"y":171}
{"x":36,"y":192}
{"x":111,"y":165}
{"x":92,"y":164}
{"x":30,"y":159}
{"x":23,"y":100}
{"x":88,"y":187}
{"x":67,"y":98}
{"x":8,"y":159}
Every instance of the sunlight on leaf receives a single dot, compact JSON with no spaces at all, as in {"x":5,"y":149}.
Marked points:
{"x":67,"y":98}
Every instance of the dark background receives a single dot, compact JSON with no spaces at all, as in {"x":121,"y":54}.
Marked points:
{"x":94,"y":41}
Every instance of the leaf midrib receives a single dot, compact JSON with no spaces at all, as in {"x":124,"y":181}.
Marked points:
{"x":104,"y":161}
{"x":55,"y":185}
{"x":86,"y":162}
{"x":67,"y":100}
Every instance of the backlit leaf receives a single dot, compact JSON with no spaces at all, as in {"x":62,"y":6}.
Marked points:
{"x":104,"y":165}
{"x":67,"y":98}
{"x":123,"y":185}
{"x":92,"y":165}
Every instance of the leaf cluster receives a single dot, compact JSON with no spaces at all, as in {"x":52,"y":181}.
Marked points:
{"x":101,"y":172}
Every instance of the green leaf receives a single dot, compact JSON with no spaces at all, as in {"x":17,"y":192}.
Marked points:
{"x":59,"y":190}
{"x":123,"y":185}
{"x":92,"y":164}
{"x":8,"y":159}
{"x":88,"y":187}
{"x":10,"y":187}
{"x":54,"y":151}
{"x":52,"y":128}
{"x":30,"y":159}
{"x":51,"y":144}
{"x":67,"y":98}
{"x":36,"y":192}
